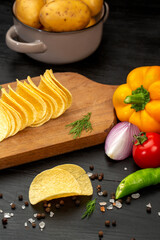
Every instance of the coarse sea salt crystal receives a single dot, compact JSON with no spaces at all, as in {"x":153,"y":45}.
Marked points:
{"x":102,"y":203}
{"x":31,"y":220}
{"x":8,"y":215}
{"x":1,"y":211}
{"x":159,"y":214}
{"x":111,"y":200}
{"x":89,"y":174}
{"x":35,"y":215}
{"x":25,"y":224}
{"x":118,"y":204}
{"x":51,"y":214}
{"x":135,"y":195}
{"x":23,"y":207}
{"x":110,"y":207}
{"x":100,"y":193}
{"x":42,"y":225}
{"x":149,"y":205}
{"x":125,"y":168}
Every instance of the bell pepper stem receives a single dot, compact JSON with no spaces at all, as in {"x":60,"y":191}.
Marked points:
{"x":135,"y":99}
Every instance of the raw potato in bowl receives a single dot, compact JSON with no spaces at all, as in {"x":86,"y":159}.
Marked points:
{"x":65,"y":15}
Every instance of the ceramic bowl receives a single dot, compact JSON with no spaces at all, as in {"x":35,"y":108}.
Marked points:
{"x":56,"y":48}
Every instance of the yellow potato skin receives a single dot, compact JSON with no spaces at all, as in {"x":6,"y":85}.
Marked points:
{"x":27,"y":11}
{"x":91,"y":22}
{"x":65,"y":15}
{"x":94,"y":5}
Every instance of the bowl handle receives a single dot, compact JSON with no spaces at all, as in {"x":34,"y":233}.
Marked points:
{"x":107,"y":11}
{"x":33,"y":47}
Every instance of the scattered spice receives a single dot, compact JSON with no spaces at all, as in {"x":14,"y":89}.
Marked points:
{"x":4,"y":221}
{"x":23,"y":207}
{"x":1,"y":195}
{"x":105,"y":193}
{"x":49,"y":205}
{"x":57,"y":205}
{"x":48,"y":209}
{"x":26,"y":203}
{"x":107,"y":223}
{"x":43,"y":215}
{"x":33,"y":225}
{"x":38,"y":216}
{"x":90,"y":207}
{"x":114,"y":223}
{"x":74,"y":198}
{"x":96,"y":175}
{"x":20,"y":197}
{"x":92,"y":177}
{"x":133,"y":239}
{"x":61,"y":202}
{"x":98,"y":187}
{"x":100,"y":193}
{"x":102,"y":208}
{"x":148,"y":209}
{"x":89,"y":174}
{"x":128,"y":200}
{"x":51,"y":214}
{"x":100,"y":234}
{"x":79,"y":125}
{"x":100,"y":178}
{"x":13,"y":206}
{"x":77,"y":202}
{"x":135,"y":195}
{"x":91,"y":167}
{"x":102,"y":203}
{"x":42,"y":225}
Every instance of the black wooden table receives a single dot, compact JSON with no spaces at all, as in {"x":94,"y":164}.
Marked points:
{"x":131,"y":39}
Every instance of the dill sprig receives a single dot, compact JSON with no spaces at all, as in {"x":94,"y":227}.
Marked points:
{"x":90,"y":207}
{"x":79,"y":125}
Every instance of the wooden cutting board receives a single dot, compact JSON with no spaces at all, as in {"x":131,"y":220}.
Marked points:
{"x":52,"y":138}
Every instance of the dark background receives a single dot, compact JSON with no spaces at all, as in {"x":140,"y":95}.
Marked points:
{"x":131,"y":39}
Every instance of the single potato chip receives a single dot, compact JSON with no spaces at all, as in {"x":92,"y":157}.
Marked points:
{"x":30,"y":109}
{"x":51,"y":184}
{"x":23,"y":113}
{"x":45,"y":87}
{"x":4,"y":124}
{"x":16,"y":115}
{"x":81,"y":177}
{"x":56,"y":88}
{"x":34,"y":99}
{"x":65,"y":90}
{"x":10,"y":118}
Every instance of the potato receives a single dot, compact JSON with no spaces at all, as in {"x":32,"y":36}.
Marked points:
{"x":94,"y":5}
{"x":65,"y":15}
{"x":27,"y":11}
{"x":91,"y":22}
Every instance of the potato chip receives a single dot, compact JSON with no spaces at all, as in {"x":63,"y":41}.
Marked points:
{"x":81,"y":177}
{"x":15,"y":114}
{"x":4,"y":124}
{"x":8,"y":99}
{"x":56,"y":88}
{"x":10,"y":118}
{"x":34,"y":99}
{"x":45,"y":87}
{"x":51,"y":184}
{"x":65,"y":90}
{"x":30,"y":109}
{"x":45,"y":97}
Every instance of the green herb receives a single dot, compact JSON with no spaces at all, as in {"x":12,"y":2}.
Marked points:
{"x":78,"y":126}
{"x":90,"y":207}
{"x":0,"y":87}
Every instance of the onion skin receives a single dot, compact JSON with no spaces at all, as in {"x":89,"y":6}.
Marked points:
{"x":119,"y":142}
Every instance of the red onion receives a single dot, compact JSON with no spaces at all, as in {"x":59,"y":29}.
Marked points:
{"x":119,"y":142}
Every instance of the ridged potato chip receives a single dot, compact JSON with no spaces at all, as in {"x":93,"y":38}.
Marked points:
{"x":45,"y":87}
{"x":65,"y":90}
{"x":8,"y":99}
{"x":51,"y":184}
{"x":4,"y":124}
{"x":15,"y":114}
{"x":30,"y":109}
{"x":34,"y":99}
{"x":81,"y":177}
{"x":45,"y":97}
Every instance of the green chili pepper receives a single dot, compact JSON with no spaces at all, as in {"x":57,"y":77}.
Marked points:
{"x":138,"y":180}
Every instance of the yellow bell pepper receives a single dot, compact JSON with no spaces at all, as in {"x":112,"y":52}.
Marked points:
{"x":138,"y":101}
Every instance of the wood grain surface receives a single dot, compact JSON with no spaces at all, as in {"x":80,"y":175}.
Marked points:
{"x":52,"y":138}
{"x":130,"y":39}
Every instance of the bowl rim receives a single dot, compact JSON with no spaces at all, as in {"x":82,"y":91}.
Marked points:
{"x":69,"y":32}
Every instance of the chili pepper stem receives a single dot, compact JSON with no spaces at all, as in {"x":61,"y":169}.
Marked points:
{"x":135,"y":99}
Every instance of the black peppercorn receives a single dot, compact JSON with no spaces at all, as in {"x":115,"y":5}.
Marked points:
{"x":20,"y":197}
{"x":57,"y":205}
{"x":92,"y":177}
{"x":96,"y":175}
{"x":107,"y":223}
{"x":100,"y":178}
{"x":91,"y":167}
{"x":47,"y":209}
{"x":43,"y":215}
{"x":128,"y":200}
{"x":38,"y":216}
{"x":33,"y":224}
{"x":26,"y":203}
{"x":77,"y":202}
{"x":61,"y":202}
{"x":105,"y":193}
{"x":13,"y":206}
{"x":148,"y":209}
{"x":100,"y":234}
{"x":74,"y":198}
{"x":4,"y":221}
{"x":114,"y":223}
{"x":1,"y":195}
